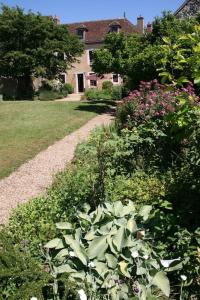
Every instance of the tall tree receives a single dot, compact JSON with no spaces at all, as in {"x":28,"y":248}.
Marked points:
{"x":34,"y":45}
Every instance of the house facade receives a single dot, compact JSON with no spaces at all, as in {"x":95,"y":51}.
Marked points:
{"x":190,"y":8}
{"x":92,"y":34}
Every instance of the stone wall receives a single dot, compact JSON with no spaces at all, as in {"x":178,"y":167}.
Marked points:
{"x":190,"y":9}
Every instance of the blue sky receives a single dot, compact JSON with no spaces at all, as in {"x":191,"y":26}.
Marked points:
{"x":83,"y":10}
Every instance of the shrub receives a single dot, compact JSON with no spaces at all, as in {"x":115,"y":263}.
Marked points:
{"x":67,"y":87}
{"x":116,"y":92}
{"x":47,"y":95}
{"x":21,"y":276}
{"x":153,"y":102}
{"x":107,"y":85}
{"x":95,"y":94}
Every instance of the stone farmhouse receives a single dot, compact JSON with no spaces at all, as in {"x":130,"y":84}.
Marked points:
{"x":189,"y":8}
{"x":92,"y":34}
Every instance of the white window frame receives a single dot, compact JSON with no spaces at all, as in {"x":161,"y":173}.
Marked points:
{"x":65,"y":76}
{"x":91,"y":86}
{"x":88,"y":56}
{"x":76,"y":76}
{"x":114,"y":82}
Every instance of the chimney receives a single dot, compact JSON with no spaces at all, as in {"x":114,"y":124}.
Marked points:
{"x":149,"y":28}
{"x":140,"y":24}
{"x":57,"y":20}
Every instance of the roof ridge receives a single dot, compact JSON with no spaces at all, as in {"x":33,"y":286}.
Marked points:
{"x":182,"y":6}
{"x":100,"y":20}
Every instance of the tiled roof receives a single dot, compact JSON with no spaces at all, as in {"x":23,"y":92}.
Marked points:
{"x":97,"y":30}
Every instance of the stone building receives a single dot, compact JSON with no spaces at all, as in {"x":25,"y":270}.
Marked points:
{"x":92,"y":34}
{"x":188,"y":9}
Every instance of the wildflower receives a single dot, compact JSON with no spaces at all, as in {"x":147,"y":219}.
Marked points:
{"x":134,"y":254}
{"x":183,"y":277}
{"x":71,"y":253}
{"x":33,"y":298}
{"x":146,"y":256}
{"x":91,"y":265}
{"x":82,"y":295}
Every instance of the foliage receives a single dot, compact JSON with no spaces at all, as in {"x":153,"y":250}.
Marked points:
{"x":152,"y":101}
{"x":137,"y":58}
{"x":51,"y":90}
{"x":180,"y":62}
{"x":68,"y":88}
{"x":107,"y":85}
{"x":108,"y":255}
{"x":34,"y":45}
{"x":96,"y":94}
{"x":116,"y":93}
{"x":21,"y":277}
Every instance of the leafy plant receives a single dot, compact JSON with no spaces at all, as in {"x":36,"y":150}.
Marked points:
{"x":108,"y":253}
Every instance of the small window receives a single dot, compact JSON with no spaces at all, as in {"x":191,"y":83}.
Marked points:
{"x":80,"y":33}
{"x":115,"y":78}
{"x":93,"y":80}
{"x":62,"y":78}
{"x":93,"y":83}
{"x":114,"y":29}
{"x":90,"y":56}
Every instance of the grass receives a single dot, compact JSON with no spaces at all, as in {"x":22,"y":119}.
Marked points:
{"x":26,"y":128}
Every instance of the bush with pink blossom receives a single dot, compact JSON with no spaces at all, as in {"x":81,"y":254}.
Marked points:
{"x":153,"y":101}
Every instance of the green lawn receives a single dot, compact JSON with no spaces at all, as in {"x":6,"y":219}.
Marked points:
{"x":26,"y":127}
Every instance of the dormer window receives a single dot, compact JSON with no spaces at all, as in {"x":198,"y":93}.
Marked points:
{"x":80,"y":31}
{"x":114,"y":27}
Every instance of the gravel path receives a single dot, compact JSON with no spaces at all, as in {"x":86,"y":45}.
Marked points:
{"x":33,"y":177}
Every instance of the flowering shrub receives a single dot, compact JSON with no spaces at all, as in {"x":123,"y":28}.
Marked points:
{"x":152,"y":101}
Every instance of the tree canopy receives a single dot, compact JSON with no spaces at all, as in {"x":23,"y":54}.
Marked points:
{"x":137,"y":57}
{"x":34,"y":45}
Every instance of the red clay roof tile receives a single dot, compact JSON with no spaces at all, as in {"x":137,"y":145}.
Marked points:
{"x":97,"y":30}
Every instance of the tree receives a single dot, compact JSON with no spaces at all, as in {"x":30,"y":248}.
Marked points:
{"x":133,"y":57}
{"x":136,"y":57}
{"x":34,"y":45}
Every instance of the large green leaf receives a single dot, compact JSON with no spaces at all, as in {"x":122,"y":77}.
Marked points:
{"x":162,"y":282}
{"x":64,"y":269}
{"x":131,"y":225}
{"x":119,"y":239}
{"x":53,"y":243}
{"x":111,"y":260}
{"x":145,"y":211}
{"x":75,"y":246}
{"x":101,"y":269}
{"x":124,"y":268}
{"x":97,"y":247}
{"x":64,"y":225}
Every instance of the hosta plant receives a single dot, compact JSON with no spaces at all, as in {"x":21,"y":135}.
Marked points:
{"x":109,"y":254}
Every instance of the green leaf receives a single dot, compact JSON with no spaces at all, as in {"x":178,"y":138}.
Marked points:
{"x":101,"y":268}
{"x":111,"y":260}
{"x":131,"y":225}
{"x":64,"y":269}
{"x":53,"y":243}
{"x":64,"y":225}
{"x":119,"y":239}
{"x":197,"y":80}
{"x":62,"y":253}
{"x":79,"y":251}
{"x":162,"y":282}
{"x":167,"y":40}
{"x":145,"y":211}
{"x":124,"y":268}
{"x":97,"y":247}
